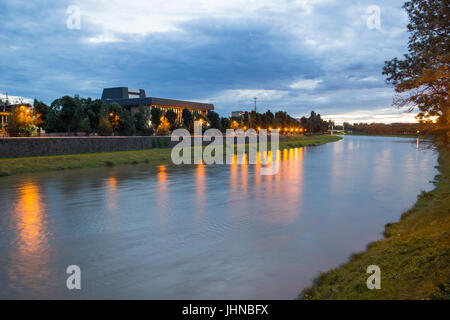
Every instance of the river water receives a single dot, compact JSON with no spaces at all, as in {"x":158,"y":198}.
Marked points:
{"x":205,"y":232}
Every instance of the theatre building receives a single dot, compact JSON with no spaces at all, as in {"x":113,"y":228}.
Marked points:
{"x":132,"y":99}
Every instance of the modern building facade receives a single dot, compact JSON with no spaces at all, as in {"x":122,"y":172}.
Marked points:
{"x":237,"y":114}
{"x":132,"y":99}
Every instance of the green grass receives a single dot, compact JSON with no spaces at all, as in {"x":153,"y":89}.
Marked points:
{"x":414,"y":256}
{"x":310,"y":140}
{"x":156,"y":156}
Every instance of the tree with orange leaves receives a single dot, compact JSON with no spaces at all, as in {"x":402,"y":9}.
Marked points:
{"x":421,"y":79}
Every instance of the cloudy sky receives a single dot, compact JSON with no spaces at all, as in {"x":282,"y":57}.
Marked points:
{"x":294,"y":55}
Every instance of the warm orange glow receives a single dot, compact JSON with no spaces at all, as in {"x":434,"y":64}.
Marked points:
{"x":200,"y":189}
{"x":161,"y":193}
{"x":32,"y":237}
{"x":245,"y":128}
{"x":162,"y":173}
{"x":30,"y":210}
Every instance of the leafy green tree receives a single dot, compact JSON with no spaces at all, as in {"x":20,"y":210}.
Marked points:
{"x":77,"y":117}
{"x":142,"y":121}
{"x":68,"y":112}
{"x":187,"y":117}
{"x":225,"y":124}
{"x":156,"y":114}
{"x":268,"y":119}
{"x":53,"y":124}
{"x":171,"y":116}
{"x":246,"y":120}
{"x":104,"y":127}
{"x":94,"y":110}
{"x":214,"y":119}
{"x":20,"y":122}
{"x":85,"y":125}
{"x":126,"y":123}
{"x":304,"y":123}
{"x":120,"y":119}
{"x":40,"y":113}
{"x":280,"y":119}
{"x":421,"y":78}
{"x":253,"y":120}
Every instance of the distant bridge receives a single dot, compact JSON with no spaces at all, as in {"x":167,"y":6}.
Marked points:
{"x":334,"y":131}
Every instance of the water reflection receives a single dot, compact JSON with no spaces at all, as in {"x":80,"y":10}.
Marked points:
{"x":162,"y":190}
{"x":30,"y":257}
{"x":196,"y":232}
{"x":111,"y":184}
{"x":200,"y":189}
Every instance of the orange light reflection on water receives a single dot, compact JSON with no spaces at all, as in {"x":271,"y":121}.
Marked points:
{"x":29,"y":261}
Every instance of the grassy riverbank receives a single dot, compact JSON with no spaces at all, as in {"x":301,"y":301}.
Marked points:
{"x":388,"y":135}
{"x":413,"y":257}
{"x":157,"y":156}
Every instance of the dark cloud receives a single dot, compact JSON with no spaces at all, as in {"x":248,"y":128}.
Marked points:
{"x":297,"y":58}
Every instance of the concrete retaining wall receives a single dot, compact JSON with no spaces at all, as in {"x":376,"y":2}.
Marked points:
{"x":45,"y":146}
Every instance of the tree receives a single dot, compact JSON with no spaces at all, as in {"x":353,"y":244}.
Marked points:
{"x":20,"y":122}
{"x":421,"y":79}
{"x":114,"y":112}
{"x":214,"y":119}
{"x":68,"y":110}
{"x":53,"y":124}
{"x":171,"y":117}
{"x":186,"y":115}
{"x":94,"y":110}
{"x":200,"y":117}
{"x":316,"y":123}
{"x":156,"y":114}
{"x":225,"y":124}
{"x":268,"y":119}
{"x":142,"y":121}
{"x":120,"y":119}
{"x":163,"y":127}
{"x":280,"y":119}
{"x":246,"y":120}
{"x":304,"y":123}
{"x":40,"y":113}
{"x":85,"y":125}
{"x":126,"y":123}
{"x":104,"y":127}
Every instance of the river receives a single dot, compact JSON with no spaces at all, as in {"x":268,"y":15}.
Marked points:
{"x":205,"y":232}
